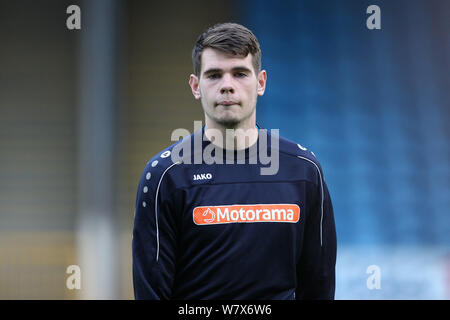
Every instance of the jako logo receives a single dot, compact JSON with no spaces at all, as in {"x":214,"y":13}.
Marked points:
{"x":246,"y":213}
{"x":202,"y":176}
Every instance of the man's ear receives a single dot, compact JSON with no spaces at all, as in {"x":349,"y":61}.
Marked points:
{"x":262,"y":78}
{"x":193,"y":82}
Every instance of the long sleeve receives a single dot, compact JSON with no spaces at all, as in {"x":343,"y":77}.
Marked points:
{"x":154,"y":239}
{"x":316,"y":268}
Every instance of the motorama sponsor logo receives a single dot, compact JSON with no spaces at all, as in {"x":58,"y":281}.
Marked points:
{"x":246,"y":213}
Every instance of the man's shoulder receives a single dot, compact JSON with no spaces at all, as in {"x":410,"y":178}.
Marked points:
{"x":159,"y":163}
{"x":296,"y":150}
{"x":171,"y":158}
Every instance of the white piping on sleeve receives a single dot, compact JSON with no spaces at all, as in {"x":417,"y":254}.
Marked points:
{"x":156,"y":208}
{"x":321,"y":192}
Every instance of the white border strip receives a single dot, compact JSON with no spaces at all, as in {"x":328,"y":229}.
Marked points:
{"x":156,"y":208}
{"x":321,"y":192}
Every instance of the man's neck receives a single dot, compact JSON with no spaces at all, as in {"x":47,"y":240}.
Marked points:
{"x":241,"y":136}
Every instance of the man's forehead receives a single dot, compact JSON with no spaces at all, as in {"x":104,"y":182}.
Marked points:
{"x":212,"y":59}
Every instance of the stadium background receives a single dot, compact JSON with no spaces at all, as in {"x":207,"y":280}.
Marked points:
{"x":82,"y":111}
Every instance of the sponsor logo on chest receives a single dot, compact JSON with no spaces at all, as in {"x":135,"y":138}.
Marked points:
{"x":245,"y":213}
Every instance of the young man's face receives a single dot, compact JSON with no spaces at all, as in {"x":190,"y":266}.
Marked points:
{"x":228,"y":87}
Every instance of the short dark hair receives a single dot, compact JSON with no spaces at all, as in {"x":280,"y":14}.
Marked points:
{"x":230,"y":38}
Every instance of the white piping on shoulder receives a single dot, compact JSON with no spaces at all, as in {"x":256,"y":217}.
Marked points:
{"x":321,"y":193}
{"x":156,"y":208}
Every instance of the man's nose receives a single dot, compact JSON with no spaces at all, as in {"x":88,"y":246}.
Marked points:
{"x":227,"y":85}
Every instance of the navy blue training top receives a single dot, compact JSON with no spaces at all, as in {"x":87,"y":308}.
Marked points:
{"x":214,"y":230}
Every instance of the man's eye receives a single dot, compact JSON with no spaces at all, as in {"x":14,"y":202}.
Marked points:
{"x":240,"y":75}
{"x":214,"y":76}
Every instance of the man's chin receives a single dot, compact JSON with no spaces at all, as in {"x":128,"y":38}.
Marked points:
{"x":228,"y":119}
{"x":228,"y":122}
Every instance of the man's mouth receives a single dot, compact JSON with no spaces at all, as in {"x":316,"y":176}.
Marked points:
{"x":226,"y":103}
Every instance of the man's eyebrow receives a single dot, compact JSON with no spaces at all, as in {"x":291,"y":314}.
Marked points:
{"x":218,"y":70}
{"x":213,"y":70}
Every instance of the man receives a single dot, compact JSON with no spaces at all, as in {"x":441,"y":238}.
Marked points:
{"x":225,"y":230}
